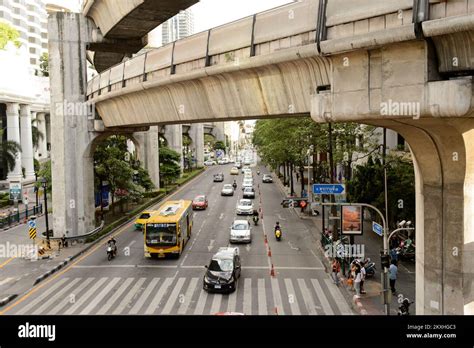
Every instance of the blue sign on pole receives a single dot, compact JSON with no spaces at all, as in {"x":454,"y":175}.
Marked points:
{"x":329,"y":189}
{"x":377,"y":228}
{"x":32,"y":224}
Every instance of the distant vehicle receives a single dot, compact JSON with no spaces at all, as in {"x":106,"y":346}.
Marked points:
{"x":234,"y":171}
{"x":247,"y":162}
{"x":238,"y":165}
{"x":221,"y":162}
{"x":219,"y":177}
{"x":223,"y":271}
{"x":142,"y":219}
{"x":226,"y":160}
{"x":246,"y":168}
{"x":169,"y":229}
{"x":210,"y":163}
{"x":245,"y":207}
{"x":248,"y":175}
{"x":267,"y":178}
{"x":240,"y":232}
{"x":247,"y":184}
{"x":249,"y":192}
{"x":227,"y":190}
{"x":200,"y":202}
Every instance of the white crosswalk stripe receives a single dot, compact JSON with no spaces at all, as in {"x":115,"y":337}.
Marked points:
{"x":141,"y":301}
{"x":183,"y":296}
{"x":110,"y":302}
{"x":6,"y":281}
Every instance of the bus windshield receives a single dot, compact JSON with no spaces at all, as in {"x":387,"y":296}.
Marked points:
{"x":161,"y":234}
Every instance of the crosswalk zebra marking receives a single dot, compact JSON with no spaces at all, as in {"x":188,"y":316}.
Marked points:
{"x":262,"y":298}
{"x":295,"y":308}
{"x":216,"y":303}
{"x":201,"y":303}
{"x":126,"y":300}
{"x":183,"y":308}
{"x":277,"y":296}
{"x":54,"y":298}
{"x":307,"y":297}
{"x":339,"y":299}
{"x":247,"y":296}
{"x":110,"y":302}
{"x":141,"y":301}
{"x":6,"y":281}
{"x":322,"y":297}
{"x":90,"y":307}
{"x":232,"y":302}
{"x":67,"y":299}
{"x":86,"y":296}
{"x":155,"y":303}
{"x":40,"y":298}
{"x":174,"y":295}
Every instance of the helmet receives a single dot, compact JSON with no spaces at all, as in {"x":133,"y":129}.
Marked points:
{"x":277,"y":223}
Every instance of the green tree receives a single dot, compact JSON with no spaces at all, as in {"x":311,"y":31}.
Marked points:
{"x":36,"y":134}
{"x":8,"y":152}
{"x":45,"y":172}
{"x":7,"y":34}
{"x":219,"y":145}
{"x":170,"y":169}
{"x":44,"y":64}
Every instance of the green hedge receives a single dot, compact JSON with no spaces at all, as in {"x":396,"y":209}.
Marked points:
{"x":4,"y":203}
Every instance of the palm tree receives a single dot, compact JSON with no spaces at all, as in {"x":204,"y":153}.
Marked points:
{"x":8,"y":151}
{"x":37,"y":135}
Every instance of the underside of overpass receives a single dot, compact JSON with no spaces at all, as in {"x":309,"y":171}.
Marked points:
{"x":413,"y":75}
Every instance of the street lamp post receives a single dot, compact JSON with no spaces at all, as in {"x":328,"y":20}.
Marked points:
{"x":44,"y":183}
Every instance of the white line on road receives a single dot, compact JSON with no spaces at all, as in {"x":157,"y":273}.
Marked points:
{"x":174,"y":296}
{"x":126,"y":300}
{"x":248,"y":296}
{"x":44,"y":295}
{"x":317,"y":258}
{"x":201,"y":303}
{"x":54,"y":298}
{"x":307,"y":298}
{"x":158,"y":297}
{"x":5,"y":281}
{"x":322,"y":297}
{"x":295,"y":308}
{"x":86,"y":296}
{"x":338,"y":298}
{"x":115,"y":296}
{"x":232,"y":303}
{"x":71,"y":298}
{"x":141,"y":301}
{"x":183,"y":308}
{"x":100,"y":296}
{"x":262,"y":298}
{"x":216,"y":304}
{"x":277,"y":296}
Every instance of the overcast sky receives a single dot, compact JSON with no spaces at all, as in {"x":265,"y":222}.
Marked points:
{"x":212,"y":13}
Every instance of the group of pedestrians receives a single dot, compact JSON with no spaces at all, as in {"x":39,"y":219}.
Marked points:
{"x":356,"y":276}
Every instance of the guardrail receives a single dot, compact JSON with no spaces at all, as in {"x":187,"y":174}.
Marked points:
{"x":80,"y":238}
{"x":19,"y":216}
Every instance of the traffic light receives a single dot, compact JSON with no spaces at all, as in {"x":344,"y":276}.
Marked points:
{"x":385,"y":259}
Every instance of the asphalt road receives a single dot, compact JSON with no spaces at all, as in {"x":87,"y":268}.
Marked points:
{"x":131,"y":284}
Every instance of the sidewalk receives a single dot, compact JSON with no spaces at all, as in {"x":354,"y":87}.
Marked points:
{"x":371,"y":302}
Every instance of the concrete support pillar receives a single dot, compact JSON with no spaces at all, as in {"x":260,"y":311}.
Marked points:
{"x":13,"y":134}
{"x":218,"y":131}
{"x":149,"y":153}
{"x":196,"y":133}
{"x":174,"y":137}
{"x":27,"y":151}
{"x":42,"y":150}
{"x":71,"y":146}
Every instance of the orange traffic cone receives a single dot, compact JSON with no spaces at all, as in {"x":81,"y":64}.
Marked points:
{"x":272,"y":272}
{"x":269,"y":252}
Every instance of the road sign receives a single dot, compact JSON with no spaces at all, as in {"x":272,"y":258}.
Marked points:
{"x":32,"y":224}
{"x":377,"y":228}
{"x":329,"y":189}
{"x":15,"y":191}
{"x":32,"y":233}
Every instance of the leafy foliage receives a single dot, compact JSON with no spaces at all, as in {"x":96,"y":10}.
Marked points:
{"x":7,"y":34}
{"x":170,"y":169}
{"x":8,"y":152}
{"x":44,"y":64}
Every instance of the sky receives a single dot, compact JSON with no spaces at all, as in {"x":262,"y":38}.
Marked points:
{"x":212,"y":13}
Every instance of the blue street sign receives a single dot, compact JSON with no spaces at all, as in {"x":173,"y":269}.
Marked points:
{"x":377,"y":228}
{"x":32,"y":224}
{"x":328,"y":189}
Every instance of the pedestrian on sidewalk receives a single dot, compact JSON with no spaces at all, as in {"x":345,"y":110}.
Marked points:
{"x":336,"y":268}
{"x":357,"y":279}
{"x":363,"y":274}
{"x":393,"y":255}
{"x":393,"y":270}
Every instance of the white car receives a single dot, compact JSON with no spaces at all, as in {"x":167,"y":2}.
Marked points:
{"x":227,"y":190}
{"x":210,"y":163}
{"x":240,"y":232}
{"x":245,"y":207}
{"x":247,"y":183}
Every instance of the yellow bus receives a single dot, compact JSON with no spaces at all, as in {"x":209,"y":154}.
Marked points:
{"x":168,"y":230}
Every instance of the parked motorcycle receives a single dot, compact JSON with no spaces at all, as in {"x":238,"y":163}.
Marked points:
{"x":369,"y":268}
{"x":404,"y":308}
{"x":406,"y":252}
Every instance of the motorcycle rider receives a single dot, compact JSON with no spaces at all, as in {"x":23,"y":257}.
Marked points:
{"x":255,"y":216}
{"x":258,"y":172}
{"x":234,"y":185}
{"x":113,"y":244}
{"x":278,"y":228}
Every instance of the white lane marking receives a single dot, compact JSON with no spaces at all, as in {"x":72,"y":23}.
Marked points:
{"x":131,"y":243}
{"x":183,"y":308}
{"x":56,"y":296}
{"x":211,"y":244}
{"x":280,"y":217}
{"x":322,"y":297}
{"x":307,"y":298}
{"x":86,"y":296}
{"x":42,"y":296}
{"x":159,"y":295}
{"x":184,"y":259}
{"x":71,"y":299}
{"x":262,"y":298}
{"x":5,"y":281}
{"x":406,"y":269}
{"x":341,"y":303}
{"x":277,"y":296}
{"x":295,"y":308}
{"x":317,"y":258}
{"x":173,"y":296}
{"x":201,"y":303}
{"x":293,"y":247}
{"x":126,"y":266}
{"x":126,"y":300}
{"x":105,"y":308}
{"x":141,"y":301}
{"x":221,"y":216}
{"x":100,"y":296}
{"x":248,"y":296}
{"x":216,"y":304}
{"x":232,"y":303}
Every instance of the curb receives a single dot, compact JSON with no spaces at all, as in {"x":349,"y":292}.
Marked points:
{"x":86,"y":249}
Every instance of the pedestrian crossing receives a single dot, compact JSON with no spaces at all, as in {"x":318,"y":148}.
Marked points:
{"x":5,"y":281}
{"x":185,"y":296}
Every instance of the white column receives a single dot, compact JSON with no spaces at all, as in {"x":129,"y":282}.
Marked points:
{"x":27,"y":142}
{"x":42,"y":150}
{"x":196,"y":134}
{"x":13,"y":134}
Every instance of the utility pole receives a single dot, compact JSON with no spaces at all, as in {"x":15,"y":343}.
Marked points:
{"x":335,"y":234}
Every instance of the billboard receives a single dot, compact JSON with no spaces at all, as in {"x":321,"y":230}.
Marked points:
{"x":352,"y":220}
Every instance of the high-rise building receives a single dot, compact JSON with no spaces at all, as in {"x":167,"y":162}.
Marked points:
{"x":178,"y":27}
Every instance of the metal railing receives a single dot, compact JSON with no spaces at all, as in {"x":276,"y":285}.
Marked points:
{"x":19,"y":216}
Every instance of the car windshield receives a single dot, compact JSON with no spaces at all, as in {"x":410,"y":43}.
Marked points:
{"x":248,"y":189}
{"x":246,"y":203}
{"x":227,"y":187}
{"x":221,"y":265}
{"x":144,"y":216}
{"x":161,"y":234}
{"x":199,"y":199}
{"x":240,"y":227}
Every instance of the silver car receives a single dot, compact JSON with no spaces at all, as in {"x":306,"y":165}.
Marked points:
{"x":245,"y":207}
{"x":240,"y":232}
{"x":227,"y":190}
